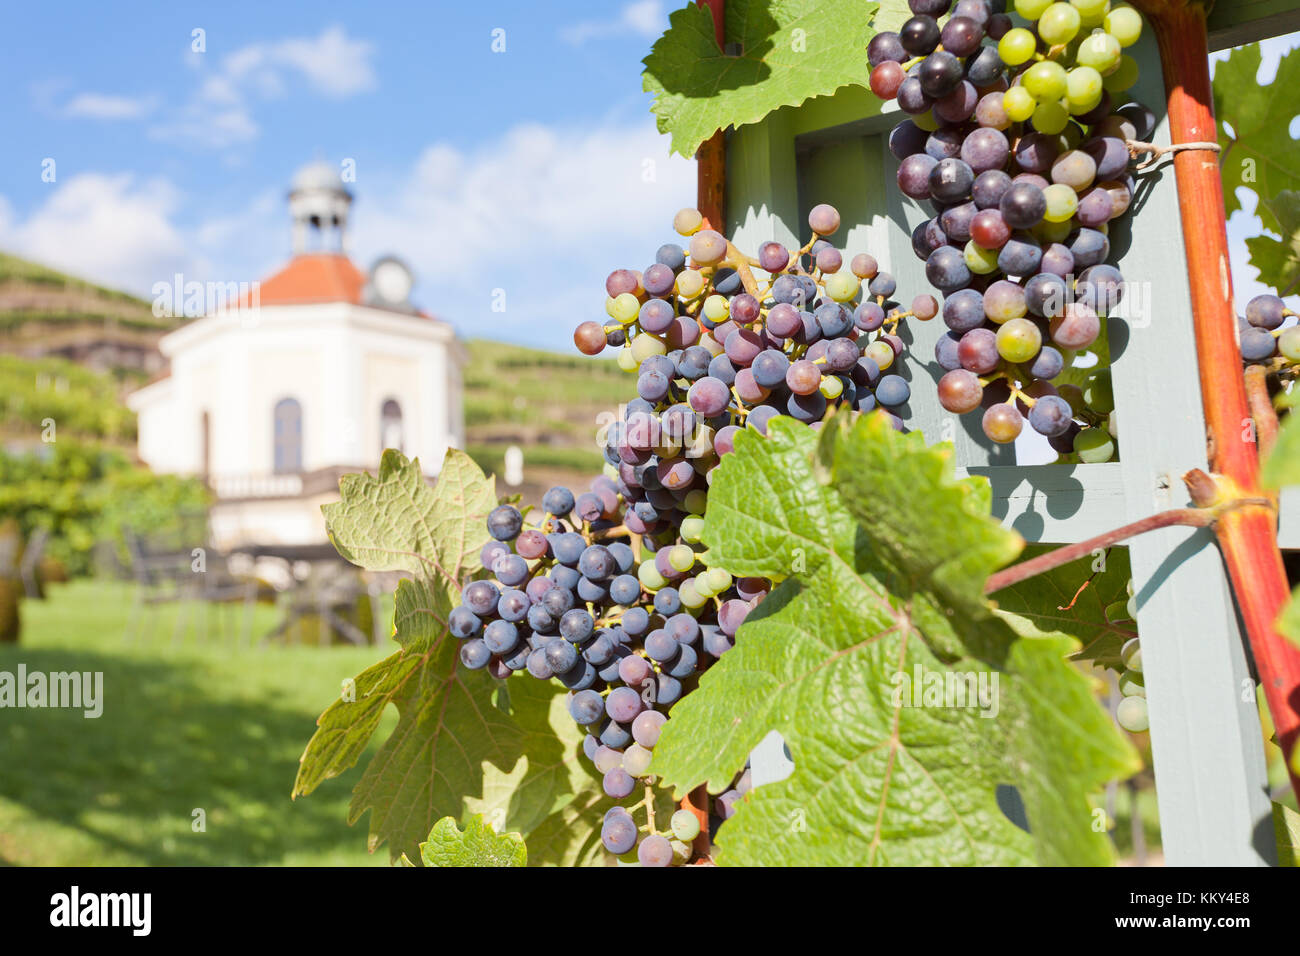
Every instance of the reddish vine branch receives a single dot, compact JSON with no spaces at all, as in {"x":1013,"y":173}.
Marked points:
{"x":1247,"y":536}
{"x":1189,"y":517}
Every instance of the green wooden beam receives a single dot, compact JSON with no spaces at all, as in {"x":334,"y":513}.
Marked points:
{"x":1234,"y":22}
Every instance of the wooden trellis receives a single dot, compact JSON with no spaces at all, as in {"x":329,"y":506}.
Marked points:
{"x":1206,"y":737}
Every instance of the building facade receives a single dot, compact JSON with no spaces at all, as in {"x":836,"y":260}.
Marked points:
{"x":313,"y":376}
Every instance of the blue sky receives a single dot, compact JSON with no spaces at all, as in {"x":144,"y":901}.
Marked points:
{"x":535,"y":170}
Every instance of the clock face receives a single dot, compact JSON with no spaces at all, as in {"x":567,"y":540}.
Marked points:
{"x":392,"y":281}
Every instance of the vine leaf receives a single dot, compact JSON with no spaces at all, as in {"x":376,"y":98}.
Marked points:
{"x":1259,"y":152}
{"x":1282,"y":466}
{"x":884,"y":557}
{"x":455,"y":750}
{"x":1042,"y":597}
{"x":1278,"y":260}
{"x":477,"y":845}
{"x":790,"y":51}
{"x":1286,"y":828}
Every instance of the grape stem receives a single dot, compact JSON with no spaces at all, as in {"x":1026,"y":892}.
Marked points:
{"x":1186,"y":517}
{"x":1135,"y":147}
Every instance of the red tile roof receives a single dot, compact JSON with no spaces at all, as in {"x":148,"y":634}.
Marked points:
{"x":314,"y":277}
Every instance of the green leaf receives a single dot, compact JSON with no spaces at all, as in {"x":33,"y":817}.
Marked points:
{"x":397,"y":522}
{"x":1288,"y":622}
{"x":1286,"y":828}
{"x":1278,"y":260}
{"x":1045,"y":599}
{"x":884,"y":558}
{"x":1260,"y":153}
{"x":454,"y":751}
{"x":478,"y":845}
{"x":790,"y":51}
{"x":1282,"y":466}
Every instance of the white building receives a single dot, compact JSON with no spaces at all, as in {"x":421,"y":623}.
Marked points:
{"x":312,"y":377}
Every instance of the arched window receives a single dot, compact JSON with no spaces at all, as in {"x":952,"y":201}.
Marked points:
{"x":390,"y":426}
{"x":288,"y":436}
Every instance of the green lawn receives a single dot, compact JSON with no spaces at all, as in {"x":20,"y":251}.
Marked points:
{"x":185,"y":726}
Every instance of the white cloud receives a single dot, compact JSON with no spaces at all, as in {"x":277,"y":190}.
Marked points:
{"x":543,"y":213}
{"x":219,"y":114}
{"x":105,"y":106}
{"x":645,"y":18}
{"x":111,"y":229}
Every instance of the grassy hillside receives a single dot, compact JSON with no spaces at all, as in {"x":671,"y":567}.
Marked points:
{"x":547,"y":403}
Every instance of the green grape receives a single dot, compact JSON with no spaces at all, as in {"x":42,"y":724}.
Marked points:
{"x":1032,"y":9}
{"x":1101,"y":51}
{"x":636,"y":760}
{"x":1017,"y":46}
{"x":979,"y":260}
{"x":1131,"y":714}
{"x":649,"y":576}
{"x":1048,"y":232}
{"x":1125,"y":75}
{"x":690,"y":283}
{"x":718,"y":579}
{"x":831,"y":387}
{"x":842,"y":286}
{"x":1084,"y":89}
{"x":1051,"y":118}
{"x":1018,"y":102}
{"x":681,"y":558}
{"x":645,"y":345}
{"x":688,"y":222}
{"x":1117,"y":612}
{"x":926,"y":121}
{"x":1099,"y":393}
{"x":1288,"y":343}
{"x":627,"y":360}
{"x":702,"y":587}
{"x":1059,"y":24}
{"x":1094,"y":445}
{"x":625,"y":308}
{"x":1130,"y":655}
{"x":1132,"y":606}
{"x":1019,"y":340}
{"x":882,"y":353}
{"x":690,"y":596}
{"x":696,"y":499}
{"x":1124,"y":24}
{"x":1045,"y":80}
{"x":1091,"y":12}
{"x":685,"y":825}
{"x":1131,"y":684}
{"x":716,"y":308}
{"x":691,"y":529}
{"x":1128,"y":588}
{"x":1062,"y":201}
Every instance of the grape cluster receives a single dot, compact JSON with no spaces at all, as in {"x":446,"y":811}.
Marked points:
{"x":715,"y":350}
{"x":1131,"y":711}
{"x":625,"y":620}
{"x":609,"y":591}
{"x":1264,"y":341}
{"x":1019,"y":139}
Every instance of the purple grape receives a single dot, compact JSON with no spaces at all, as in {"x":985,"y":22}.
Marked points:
{"x":955,"y":222}
{"x":885,"y":46}
{"x":914,"y":175}
{"x":944,"y":143}
{"x":989,"y":187}
{"x":951,"y":181}
{"x":1023,"y":206}
{"x":1020,"y":256}
{"x":1058,"y":260}
{"x":1089,"y":248}
{"x":957,"y":105}
{"x":946,"y":269}
{"x":919,"y":35}
{"x":985,"y":150}
{"x":961,"y":36}
{"x":963,"y":311}
{"x":911,"y":97}
{"x":908,"y":139}
{"x":1036,"y":152}
{"x":623,"y":704}
{"x":1051,"y":416}
{"x":978,"y":351}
